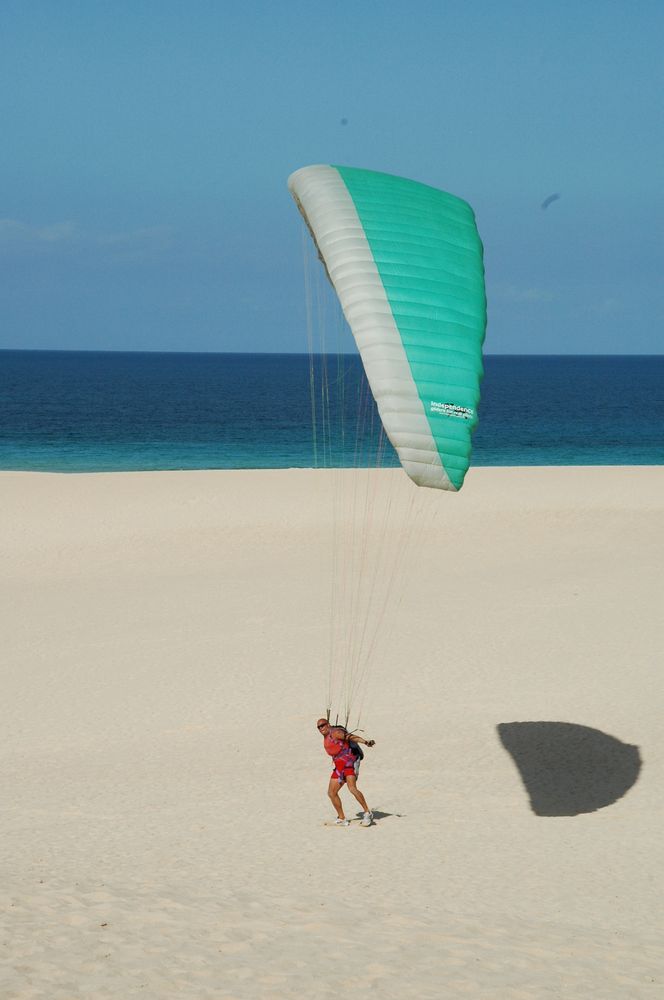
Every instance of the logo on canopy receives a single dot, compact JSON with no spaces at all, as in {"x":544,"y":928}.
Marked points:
{"x":452,"y":410}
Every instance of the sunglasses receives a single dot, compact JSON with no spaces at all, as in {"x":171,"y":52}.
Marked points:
{"x":322,"y":725}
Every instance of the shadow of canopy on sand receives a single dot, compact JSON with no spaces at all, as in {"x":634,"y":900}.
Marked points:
{"x":569,"y":769}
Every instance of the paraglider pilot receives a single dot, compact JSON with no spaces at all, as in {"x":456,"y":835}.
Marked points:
{"x":343,"y":748}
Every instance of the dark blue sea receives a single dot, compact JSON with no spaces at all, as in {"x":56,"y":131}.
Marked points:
{"x":87,"y":411}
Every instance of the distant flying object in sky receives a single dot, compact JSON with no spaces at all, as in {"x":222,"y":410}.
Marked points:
{"x":344,"y":121}
{"x":547,"y":201}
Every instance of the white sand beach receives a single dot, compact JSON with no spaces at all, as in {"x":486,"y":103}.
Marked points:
{"x":164,"y":788}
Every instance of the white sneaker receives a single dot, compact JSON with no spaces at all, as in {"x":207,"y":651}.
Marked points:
{"x":367,"y":819}
{"x":342,"y":822}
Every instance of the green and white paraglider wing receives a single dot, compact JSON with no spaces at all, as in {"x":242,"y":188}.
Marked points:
{"x":406,"y":262}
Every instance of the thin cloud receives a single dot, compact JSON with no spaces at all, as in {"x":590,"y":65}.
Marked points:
{"x":21,"y":237}
{"x":153,"y":237}
{"x":607,"y":306}
{"x":20,"y":234}
{"x":512,"y":293}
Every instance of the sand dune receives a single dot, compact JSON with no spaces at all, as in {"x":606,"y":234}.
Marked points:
{"x":164,"y":787}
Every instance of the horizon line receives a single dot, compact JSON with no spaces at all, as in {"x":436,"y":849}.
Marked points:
{"x":317,"y":354}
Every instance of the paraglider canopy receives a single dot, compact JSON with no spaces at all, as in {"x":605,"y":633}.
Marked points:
{"x":406,"y":262}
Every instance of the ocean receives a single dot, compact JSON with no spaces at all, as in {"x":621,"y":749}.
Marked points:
{"x":68,"y":411}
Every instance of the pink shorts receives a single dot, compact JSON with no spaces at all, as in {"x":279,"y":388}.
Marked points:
{"x":346,"y":765}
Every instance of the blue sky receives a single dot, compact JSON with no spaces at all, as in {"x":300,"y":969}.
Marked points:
{"x":146,"y":146}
